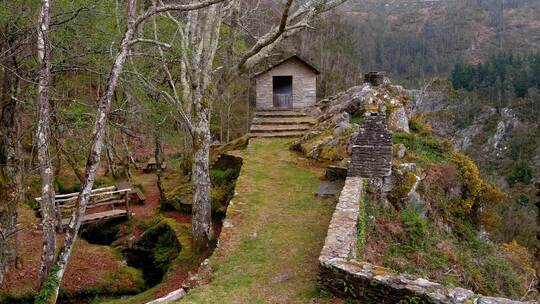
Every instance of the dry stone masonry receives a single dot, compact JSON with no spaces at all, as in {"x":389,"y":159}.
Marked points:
{"x":341,"y":237}
{"x":372,"y":150}
{"x":374,"y":78}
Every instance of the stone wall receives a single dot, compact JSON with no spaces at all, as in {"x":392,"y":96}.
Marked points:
{"x":341,"y":237}
{"x":304,"y":84}
{"x":372,"y":150}
{"x":345,"y":277}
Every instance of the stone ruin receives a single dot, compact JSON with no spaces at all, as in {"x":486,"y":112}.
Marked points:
{"x":374,"y":78}
{"x":372,"y":149}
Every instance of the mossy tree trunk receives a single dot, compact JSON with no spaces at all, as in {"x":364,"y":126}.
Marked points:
{"x":158,"y":154}
{"x":202,"y":209}
{"x":9,"y":161}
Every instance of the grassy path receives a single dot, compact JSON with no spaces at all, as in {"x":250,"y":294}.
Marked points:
{"x":269,"y":254}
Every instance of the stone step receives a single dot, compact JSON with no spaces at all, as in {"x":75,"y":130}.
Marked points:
{"x":288,"y":134}
{"x":283,"y":120}
{"x":278,"y":110}
{"x":279,"y":128}
{"x":279,"y":114}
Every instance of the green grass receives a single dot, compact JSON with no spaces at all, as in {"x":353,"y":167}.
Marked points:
{"x":270,"y":255}
{"x":423,"y":150}
{"x":419,"y":247}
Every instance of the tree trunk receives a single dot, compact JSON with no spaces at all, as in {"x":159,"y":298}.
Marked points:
{"x":49,"y":294}
{"x":43,"y":136}
{"x":109,"y":145}
{"x":202,"y":208}
{"x":159,"y":162}
{"x":9,"y":171}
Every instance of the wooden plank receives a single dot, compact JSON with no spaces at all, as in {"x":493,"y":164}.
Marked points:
{"x":139,"y":194}
{"x":60,"y":196}
{"x":94,"y":217}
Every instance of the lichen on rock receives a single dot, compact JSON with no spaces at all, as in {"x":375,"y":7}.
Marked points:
{"x":338,"y":119}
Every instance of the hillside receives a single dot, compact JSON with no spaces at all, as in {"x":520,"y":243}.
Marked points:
{"x":437,"y":215}
{"x":412,"y":39}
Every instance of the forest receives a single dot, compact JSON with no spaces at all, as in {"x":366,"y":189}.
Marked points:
{"x":136,"y":162}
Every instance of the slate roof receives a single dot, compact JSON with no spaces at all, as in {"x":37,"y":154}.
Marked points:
{"x":302,"y":60}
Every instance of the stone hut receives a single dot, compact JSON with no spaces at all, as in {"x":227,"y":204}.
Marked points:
{"x":372,"y":149}
{"x":291,"y":83}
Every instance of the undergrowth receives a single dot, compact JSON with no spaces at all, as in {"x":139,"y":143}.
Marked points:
{"x":416,"y":245}
{"x":440,"y":240}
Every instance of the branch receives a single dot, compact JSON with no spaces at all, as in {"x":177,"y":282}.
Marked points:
{"x":75,"y":14}
{"x":269,"y":38}
{"x":175,"y":7}
{"x":142,"y":40}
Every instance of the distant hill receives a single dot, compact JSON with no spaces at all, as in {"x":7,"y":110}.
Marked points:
{"x":415,"y":38}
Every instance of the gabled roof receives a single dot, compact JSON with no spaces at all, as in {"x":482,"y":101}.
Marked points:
{"x":302,"y":60}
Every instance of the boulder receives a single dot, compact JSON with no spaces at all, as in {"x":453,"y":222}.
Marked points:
{"x":401,"y":150}
{"x":398,"y":121}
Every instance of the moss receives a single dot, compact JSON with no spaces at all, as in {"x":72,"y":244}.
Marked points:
{"x":48,"y":292}
{"x":356,"y":119}
{"x":405,"y":184}
{"x":424,"y":150}
{"x":361,"y":228}
{"x":154,"y":252}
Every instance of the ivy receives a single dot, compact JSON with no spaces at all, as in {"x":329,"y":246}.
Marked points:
{"x":47,"y":293}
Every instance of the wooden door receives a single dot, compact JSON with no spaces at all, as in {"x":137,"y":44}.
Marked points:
{"x":282,"y":91}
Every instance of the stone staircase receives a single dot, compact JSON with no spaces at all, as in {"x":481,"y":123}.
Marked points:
{"x":275,"y":123}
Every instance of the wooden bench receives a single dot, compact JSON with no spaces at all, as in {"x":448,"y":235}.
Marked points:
{"x":136,"y":195}
{"x":151,"y":165}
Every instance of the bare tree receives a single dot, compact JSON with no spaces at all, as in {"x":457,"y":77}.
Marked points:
{"x":43,"y":136}
{"x":199,"y":41}
{"x":49,"y":290}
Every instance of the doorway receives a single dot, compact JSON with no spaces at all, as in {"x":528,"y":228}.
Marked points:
{"x":282,"y":91}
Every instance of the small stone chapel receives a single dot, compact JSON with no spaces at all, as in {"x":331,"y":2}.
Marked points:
{"x":288,"y":84}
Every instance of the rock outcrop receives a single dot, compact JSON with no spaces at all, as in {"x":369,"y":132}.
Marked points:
{"x":339,"y":116}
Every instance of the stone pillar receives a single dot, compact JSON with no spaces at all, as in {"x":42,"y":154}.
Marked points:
{"x":374,"y":78}
{"x":372,"y":150}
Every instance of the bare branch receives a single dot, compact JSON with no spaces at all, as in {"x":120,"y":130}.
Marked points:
{"x":269,"y":38}
{"x":175,"y":7}
{"x":142,"y":40}
{"x":75,"y":15}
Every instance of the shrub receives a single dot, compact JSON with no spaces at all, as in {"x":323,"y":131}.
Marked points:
{"x":418,"y":124}
{"x":521,"y":172}
{"x":477,"y":195}
{"x":405,"y":184}
{"x":415,"y":226}
{"x":469,"y":174}
{"x":425,"y":150}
